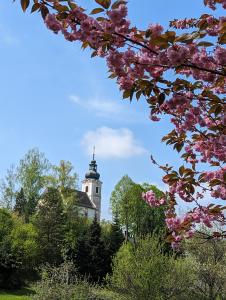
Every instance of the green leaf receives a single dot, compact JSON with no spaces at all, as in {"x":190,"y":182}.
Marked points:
{"x":96,"y":11}
{"x":104,"y":3}
{"x":24,"y":4}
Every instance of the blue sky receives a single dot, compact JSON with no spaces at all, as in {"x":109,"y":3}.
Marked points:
{"x":55,"y":97}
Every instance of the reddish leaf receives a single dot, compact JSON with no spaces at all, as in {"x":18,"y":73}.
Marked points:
{"x":104,"y":3}
{"x":35,"y":7}
{"x":24,"y":4}
{"x":117,"y":3}
{"x":96,"y":11}
{"x":44,"y":11}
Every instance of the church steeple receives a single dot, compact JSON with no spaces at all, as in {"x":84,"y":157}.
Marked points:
{"x":92,"y":186}
{"x":92,"y":173}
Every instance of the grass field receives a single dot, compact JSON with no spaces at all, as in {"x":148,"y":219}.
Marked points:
{"x":15,"y":295}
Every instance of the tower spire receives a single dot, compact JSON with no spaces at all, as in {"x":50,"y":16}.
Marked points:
{"x":94,"y":152}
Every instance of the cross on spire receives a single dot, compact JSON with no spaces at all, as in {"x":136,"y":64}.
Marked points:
{"x":93,"y":152}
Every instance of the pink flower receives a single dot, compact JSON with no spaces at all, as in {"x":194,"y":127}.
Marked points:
{"x":156,"y":29}
{"x":52,"y":23}
{"x":177,"y":54}
{"x":117,"y":15}
{"x":220,"y":56}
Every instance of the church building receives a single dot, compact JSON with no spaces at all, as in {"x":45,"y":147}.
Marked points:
{"x":89,"y":199}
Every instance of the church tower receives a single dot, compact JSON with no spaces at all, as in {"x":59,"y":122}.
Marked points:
{"x":91,"y":185}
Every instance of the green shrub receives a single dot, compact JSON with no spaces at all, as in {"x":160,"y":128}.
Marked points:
{"x":143,"y":271}
{"x":60,"y":283}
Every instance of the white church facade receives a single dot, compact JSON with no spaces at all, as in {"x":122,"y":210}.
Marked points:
{"x":89,"y":199}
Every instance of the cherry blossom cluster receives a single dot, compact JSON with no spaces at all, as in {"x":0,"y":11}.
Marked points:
{"x":152,"y":200}
{"x":219,"y":177}
{"x":183,"y":228}
{"x":212,"y":3}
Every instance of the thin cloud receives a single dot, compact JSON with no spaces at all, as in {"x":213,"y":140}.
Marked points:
{"x":112,"y":143}
{"x":7,"y":38}
{"x":100,"y":106}
{"x":107,"y":109}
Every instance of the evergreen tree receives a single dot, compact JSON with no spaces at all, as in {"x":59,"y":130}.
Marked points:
{"x":98,"y":266}
{"x":21,"y":203}
{"x":82,"y":256}
{"x":116,"y":237}
{"x":50,"y":221}
{"x":92,"y":259}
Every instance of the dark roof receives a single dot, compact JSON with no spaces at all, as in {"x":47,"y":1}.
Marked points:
{"x":81,"y":198}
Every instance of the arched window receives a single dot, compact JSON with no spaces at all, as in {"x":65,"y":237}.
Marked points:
{"x":97,"y":190}
{"x":87,"y":189}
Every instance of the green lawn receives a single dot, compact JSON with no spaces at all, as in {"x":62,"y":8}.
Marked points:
{"x":15,"y":295}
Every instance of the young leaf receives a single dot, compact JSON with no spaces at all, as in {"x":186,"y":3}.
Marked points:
{"x":96,"y":11}
{"x":205,"y":44}
{"x":24,"y":4}
{"x":104,"y":3}
{"x":35,"y":7}
{"x":117,"y":3}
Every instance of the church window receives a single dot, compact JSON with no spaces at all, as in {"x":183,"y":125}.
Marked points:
{"x":87,"y":189}
{"x":97,"y":190}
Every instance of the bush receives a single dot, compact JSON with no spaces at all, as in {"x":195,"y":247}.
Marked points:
{"x":145,"y":272}
{"x":60,"y":283}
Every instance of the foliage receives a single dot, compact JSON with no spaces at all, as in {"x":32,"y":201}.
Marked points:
{"x":92,"y":258}
{"x":62,"y":176}
{"x":119,"y":203}
{"x":208,"y":257}
{"x":116,"y":237}
{"x":50,"y":223}
{"x":140,"y":61}
{"x":134,"y":214}
{"x":144,"y":272}
{"x":8,"y":262}
{"x":143,"y":218}
{"x":8,"y":188}
{"x":22,"y":186}
{"x":18,"y":250}
{"x":30,"y":174}
{"x":20,"y":204}
{"x":59,"y":283}
{"x":24,"y":243}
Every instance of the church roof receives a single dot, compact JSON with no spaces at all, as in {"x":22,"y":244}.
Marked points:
{"x":81,"y":198}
